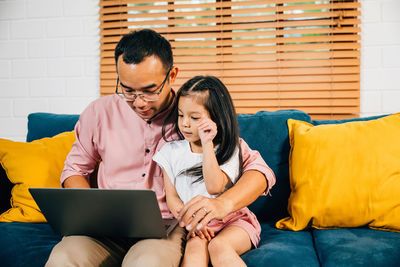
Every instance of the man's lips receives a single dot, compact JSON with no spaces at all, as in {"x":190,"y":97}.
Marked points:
{"x":143,"y":112}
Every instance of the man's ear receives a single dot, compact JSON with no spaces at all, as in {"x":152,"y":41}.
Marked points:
{"x":173,"y":74}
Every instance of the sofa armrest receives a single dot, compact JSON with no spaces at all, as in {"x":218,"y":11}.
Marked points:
{"x":5,"y":191}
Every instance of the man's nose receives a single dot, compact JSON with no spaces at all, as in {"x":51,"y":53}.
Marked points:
{"x":139,"y":102}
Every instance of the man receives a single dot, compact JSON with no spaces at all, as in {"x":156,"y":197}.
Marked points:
{"x":122,"y":132}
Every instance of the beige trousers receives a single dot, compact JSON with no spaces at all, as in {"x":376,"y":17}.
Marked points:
{"x":89,"y":251}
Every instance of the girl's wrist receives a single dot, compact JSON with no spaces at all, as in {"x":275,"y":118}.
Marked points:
{"x":208,"y":144}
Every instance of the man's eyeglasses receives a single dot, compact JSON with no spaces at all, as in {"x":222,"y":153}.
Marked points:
{"x":146,"y":96}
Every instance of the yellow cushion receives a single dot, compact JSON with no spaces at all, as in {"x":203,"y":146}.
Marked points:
{"x":344,"y":175}
{"x":35,"y":164}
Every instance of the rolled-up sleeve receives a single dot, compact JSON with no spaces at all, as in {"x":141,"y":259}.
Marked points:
{"x":83,"y":157}
{"x":252,"y":160}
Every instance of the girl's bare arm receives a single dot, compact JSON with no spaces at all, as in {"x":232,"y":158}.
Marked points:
{"x":174,"y":203}
{"x":214,"y":178}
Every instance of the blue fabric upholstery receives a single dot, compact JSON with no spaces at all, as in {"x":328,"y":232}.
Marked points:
{"x":319,"y":122}
{"x":26,"y":244}
{"x":282,"y":248}
{"x":42,"y":125}
{"x":267,"y":133}
{"x":357,"y":247}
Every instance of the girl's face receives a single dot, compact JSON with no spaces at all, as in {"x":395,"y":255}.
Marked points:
{"x":190,"y":111}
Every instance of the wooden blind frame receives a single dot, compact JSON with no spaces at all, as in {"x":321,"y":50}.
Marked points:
{"x":271,"y":54}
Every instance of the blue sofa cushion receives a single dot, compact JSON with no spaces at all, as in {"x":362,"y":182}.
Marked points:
{"x":26,"y":244}
{"x":282,"y":248}
{"x":42,"y":125}
{"x":357,"y":247}
{"x":267,"y":133}
{"x":320,"y":122}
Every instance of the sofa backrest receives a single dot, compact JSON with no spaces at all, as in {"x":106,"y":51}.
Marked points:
{"x":267,"y":133}
{"x":42,"y":125}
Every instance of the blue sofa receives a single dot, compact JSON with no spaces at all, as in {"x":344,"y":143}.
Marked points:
{"x":29,"y":244}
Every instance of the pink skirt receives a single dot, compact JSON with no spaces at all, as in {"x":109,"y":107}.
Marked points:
{"x":242,"y":218}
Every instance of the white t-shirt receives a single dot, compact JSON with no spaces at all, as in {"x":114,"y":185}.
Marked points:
{"x":177,"y":156}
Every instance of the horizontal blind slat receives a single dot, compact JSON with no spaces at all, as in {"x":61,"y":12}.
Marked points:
{"x":170,"y":13}
{"x":258,"y":72}
{"x":253,"y":65}
{"x":301,"y":39}
{"x":256,"y":34}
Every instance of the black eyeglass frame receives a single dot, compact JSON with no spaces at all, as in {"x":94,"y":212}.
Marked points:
{"x":142,"y":95}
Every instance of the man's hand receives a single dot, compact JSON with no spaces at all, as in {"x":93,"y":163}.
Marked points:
{"x":207,"y":130}
{"x":200,"y":210}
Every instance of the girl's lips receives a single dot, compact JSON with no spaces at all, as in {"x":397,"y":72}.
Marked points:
{"x":186,"y":133}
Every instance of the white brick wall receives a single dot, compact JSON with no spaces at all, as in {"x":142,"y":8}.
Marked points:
{"x":49,"y":59}
{"x":380,"y":57}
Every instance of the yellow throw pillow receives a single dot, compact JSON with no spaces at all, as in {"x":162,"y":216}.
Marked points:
{"x":35,"y":164}
{"x":344,"y":175}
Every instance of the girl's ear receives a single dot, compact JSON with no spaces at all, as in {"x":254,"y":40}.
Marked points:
{"x":172,"y":74}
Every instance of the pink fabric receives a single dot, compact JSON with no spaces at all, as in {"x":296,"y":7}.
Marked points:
{"x":110,"y":132}
{"x":252,"y":160}
{"x":242,"y":218}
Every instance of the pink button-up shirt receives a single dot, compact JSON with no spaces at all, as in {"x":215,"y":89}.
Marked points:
{"x":110,"y":132}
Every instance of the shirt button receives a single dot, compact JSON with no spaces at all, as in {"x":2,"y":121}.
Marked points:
{"x":147,"y":150}
{"x":148,"y":122}
{"x":143,"y":175}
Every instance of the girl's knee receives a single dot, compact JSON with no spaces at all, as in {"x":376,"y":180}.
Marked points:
{"x":196,"y":244}
{"x":216,"y":246}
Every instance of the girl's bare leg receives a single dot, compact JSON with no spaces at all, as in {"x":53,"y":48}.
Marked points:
{"x":226,"y":247}
{"x":196,"y":253}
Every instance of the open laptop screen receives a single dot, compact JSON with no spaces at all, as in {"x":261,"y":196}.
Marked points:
{"x":102,"y":212}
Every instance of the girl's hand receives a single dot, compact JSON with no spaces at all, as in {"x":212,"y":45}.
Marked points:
{"x":205,"y":232}
{"x":207,"y":130}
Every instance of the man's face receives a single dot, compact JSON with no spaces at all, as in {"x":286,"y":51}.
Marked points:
{"x":147,"y":76}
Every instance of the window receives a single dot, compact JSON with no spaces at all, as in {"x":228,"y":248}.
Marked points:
{"x":271,"y":54}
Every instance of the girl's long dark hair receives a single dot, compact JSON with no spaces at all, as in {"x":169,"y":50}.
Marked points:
{"x":220,"y":106}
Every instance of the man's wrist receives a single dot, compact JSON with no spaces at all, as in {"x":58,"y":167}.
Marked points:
{"x":226,"y":203}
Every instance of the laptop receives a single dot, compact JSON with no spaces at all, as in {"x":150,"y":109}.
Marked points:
{"x":103,"y":212}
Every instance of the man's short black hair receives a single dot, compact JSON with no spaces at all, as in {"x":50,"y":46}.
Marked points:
{"x":137,"y":45}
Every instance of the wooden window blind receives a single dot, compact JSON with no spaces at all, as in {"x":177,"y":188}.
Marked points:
{"x":271,"y":54}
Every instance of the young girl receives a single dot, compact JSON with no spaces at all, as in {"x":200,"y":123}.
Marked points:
{"x":207,"y":162}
